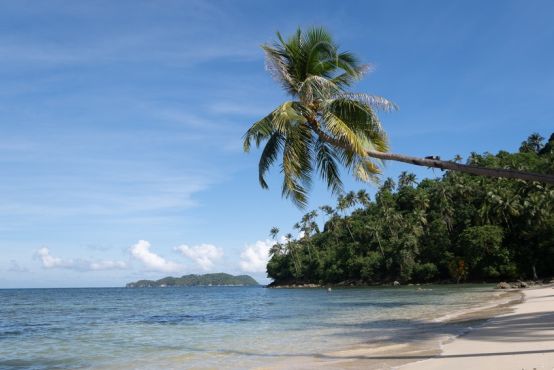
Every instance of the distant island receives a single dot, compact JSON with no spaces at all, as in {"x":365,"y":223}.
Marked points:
{"x":219,"y":279}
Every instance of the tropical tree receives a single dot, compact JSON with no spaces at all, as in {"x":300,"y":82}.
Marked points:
{"x":274,"y":232}
{"x":406,"y":179}
{"x":276,"y":248}
{"x":532,"y":144}
{"x":344,"y":202}
{"x":362,"y":197}
{"x":456,"y":228}
{"x":325,"y":125}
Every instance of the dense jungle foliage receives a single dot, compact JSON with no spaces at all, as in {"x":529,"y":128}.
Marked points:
{"x":456,"y":228}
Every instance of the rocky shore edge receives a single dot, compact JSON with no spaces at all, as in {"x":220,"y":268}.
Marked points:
{"x":518,"y":284}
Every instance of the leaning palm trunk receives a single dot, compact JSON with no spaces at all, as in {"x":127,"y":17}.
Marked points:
{"x":453,"y":166}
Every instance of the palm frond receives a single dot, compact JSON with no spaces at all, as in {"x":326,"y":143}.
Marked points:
{"x":350,"y":64}
{"x":277,"y":66}
{"x":297,"y":164}
{"x":358,"y":115}
{"x":326,"y":160}
{"x":342,"y":131}
{"x":287,"y":114}
{"x":271,"y":150}
{"x":366,"y":171}
{"x":320,"y":52}
{"x":317,"y":88}
{"x":347,"y":78}
{"x":260,"y":130}
{"x":361,"y":119}
{"x":374,"y":101}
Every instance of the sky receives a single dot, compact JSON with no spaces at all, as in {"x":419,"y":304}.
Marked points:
{"x":121,"y":122}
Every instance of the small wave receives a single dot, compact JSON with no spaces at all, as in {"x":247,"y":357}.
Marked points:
{"x":194,"y":318}
{"x":10,"y":333}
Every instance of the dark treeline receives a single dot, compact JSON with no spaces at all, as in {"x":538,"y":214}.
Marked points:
{"x":457,"y":228}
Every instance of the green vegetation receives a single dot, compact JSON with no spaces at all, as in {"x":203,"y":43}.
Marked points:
{"x":457,"y":228}
{"x":326,"y":125}
{"x":220,"y":279}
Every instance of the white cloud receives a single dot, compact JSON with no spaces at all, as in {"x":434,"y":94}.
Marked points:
{"x":48,"y":261}
{"x":254,"y":257}
{"x":204,"y":254}
{"x":141,"y":251}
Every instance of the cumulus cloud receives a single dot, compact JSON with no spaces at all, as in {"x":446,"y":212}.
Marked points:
{"x":204,"y":254}
{"x":254,"y":257}
{"x":141,"y":251}
{"x":50,"y":262}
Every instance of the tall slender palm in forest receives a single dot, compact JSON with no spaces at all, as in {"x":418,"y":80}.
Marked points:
{"x":276,"y":248}
{"x":362,"y":197}
{"x":345,"y":202}
{"x":406,"y":179}
{"x":291,"y":248}
{"x":274,"y":232}
{"x":326,"y":125}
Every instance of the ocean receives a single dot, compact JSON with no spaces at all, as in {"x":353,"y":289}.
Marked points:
{"x":219,"y":327}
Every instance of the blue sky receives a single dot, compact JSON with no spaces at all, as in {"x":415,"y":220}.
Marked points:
{"x":121,"y":122}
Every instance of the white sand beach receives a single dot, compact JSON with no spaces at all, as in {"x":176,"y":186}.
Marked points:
{"x":522,"y":339}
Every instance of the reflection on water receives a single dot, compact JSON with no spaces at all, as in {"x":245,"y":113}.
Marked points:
{"x":212,"y":327}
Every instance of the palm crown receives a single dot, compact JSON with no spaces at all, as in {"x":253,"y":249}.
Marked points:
{"x":325,"y":125}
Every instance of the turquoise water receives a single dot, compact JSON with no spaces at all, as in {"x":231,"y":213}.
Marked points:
{"x":211,"y":327}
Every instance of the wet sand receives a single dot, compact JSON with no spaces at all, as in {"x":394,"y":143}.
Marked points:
{"x":521,"y":339}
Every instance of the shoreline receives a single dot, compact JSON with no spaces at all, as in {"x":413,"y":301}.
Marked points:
{"x":502,"y":285}
{"x":520,"y":339}
{"x":443,"y":332}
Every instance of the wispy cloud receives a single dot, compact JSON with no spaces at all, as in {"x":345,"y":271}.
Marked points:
{"x":51,"y":262}
{"x":113,"y":195}
{"x":204,"y":255}
{"x":141,"y":252}
{"x":164,"y":45}
{"x":240,"y":109}
{"x":16,"y":267}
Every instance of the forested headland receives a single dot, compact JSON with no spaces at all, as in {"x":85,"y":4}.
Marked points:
{"x":458,"y":228}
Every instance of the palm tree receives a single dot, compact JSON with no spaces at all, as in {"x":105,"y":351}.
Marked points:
{"x":532,"y":144}
{"x":277,"y":248}
{"x":273,"y":232}
{"x":388,"y":185}
{"x":332,"y":218}
{"x":307,"y":226}
{"x":374,"y":230}
{"x":362,"y":197}
{"x":291,"y":248}
{"x":444,"y":199}
{"x":406,"y":179}
{"x":325,"y":125}
{"x":344,"y":202}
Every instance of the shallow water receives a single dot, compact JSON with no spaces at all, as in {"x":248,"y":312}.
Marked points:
{"x":214,"y":327}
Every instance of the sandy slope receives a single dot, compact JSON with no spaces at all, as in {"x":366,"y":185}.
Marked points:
{"x":523,"y":339}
